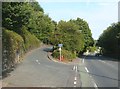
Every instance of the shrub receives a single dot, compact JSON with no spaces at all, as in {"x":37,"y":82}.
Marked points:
{"x":68,"y":56}
{"x":13,"y":45}
{"x":30,"y":40}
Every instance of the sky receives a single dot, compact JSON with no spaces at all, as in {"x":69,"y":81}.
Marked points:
{"x":98,"y":13}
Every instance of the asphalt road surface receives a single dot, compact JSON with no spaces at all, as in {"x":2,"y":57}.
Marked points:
{"x":101,"y":71}
{"x":38,"y":71}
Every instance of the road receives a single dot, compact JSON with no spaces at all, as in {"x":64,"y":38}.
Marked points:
{"x":38,"y":71}
{"x":100,"y":71}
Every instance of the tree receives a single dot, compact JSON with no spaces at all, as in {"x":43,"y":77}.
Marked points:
{"x":68,"y":34}
{"x":85,"y":30}
{"x":15,"y":15}
{"x":109,"y":40}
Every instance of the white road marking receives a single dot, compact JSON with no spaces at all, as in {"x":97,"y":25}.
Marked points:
{"x":86,"y":69}
{"x":95,"y":85}
{"x":101,"y":61}
{"x":36,"y":60}
{"x":74,"y":86}
{"x":75,"y":78}
{"x":75,"y":82}
{"x":76,"y":68}
{"x":83,"y":60}
{"x":106,"y":63}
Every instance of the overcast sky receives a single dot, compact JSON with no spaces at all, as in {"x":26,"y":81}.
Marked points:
{"x":98,"y":13}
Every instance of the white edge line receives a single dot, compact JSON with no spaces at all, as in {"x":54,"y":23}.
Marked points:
{"x":86,"y":69}
{"x":95,"y":85}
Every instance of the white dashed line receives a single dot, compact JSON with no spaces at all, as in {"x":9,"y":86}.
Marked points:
{"x":83,"y":61}
{"x":75,"y":82}
{"x":86,"y":69}
{"x":74,"y":68}
{"x":75,"y":78}
{"x":36,"y":60}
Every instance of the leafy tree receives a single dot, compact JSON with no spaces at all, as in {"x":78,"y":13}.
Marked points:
{"x":15,"y":15}
{"x":68,"y":34}
{"x":109,"y":40}
{"x":84,"y":28}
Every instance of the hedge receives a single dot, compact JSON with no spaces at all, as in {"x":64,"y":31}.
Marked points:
{"x":67,"y":55}
{"x":13,"y":45}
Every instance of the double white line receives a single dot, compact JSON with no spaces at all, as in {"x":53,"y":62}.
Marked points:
{"x":75,"y":68}
{"x":75,"y":78}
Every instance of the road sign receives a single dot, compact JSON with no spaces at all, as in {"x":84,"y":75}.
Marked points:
{"x":60,"y":45}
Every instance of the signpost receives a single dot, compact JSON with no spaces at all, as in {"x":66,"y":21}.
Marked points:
{"x":60,"y":45}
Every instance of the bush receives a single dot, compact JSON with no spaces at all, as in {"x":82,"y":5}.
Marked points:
{"x":30,"y":40}
{"x":13,"y":45}
{"x":67,"y":55}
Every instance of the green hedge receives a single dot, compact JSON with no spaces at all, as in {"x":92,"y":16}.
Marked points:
{"x":68,"y":56}
{"x":13,"y":45}
{"x":30,"y":40}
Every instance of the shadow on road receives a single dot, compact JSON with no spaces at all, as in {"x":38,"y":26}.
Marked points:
{"x":47,"y":49}
{"x":99,"y":75}
{"x":93,"y":57}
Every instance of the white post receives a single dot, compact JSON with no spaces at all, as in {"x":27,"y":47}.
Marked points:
{"x":60,"y":53}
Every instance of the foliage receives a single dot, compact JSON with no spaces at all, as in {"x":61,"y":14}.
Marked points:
{"x":67,"y":55}
{"x":15,"y":15}
{"x":30,"y":40}
{"x":67,"y":33}
{"x":17,"y":39}
{"x":85,"y":30}
{"x":13,"y":45}
{"x":92,"y":48}
{"x":110,"y":40}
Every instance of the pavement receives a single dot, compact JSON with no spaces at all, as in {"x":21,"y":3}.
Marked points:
{"x":102,"y":72}
{"x":37,"y":70}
